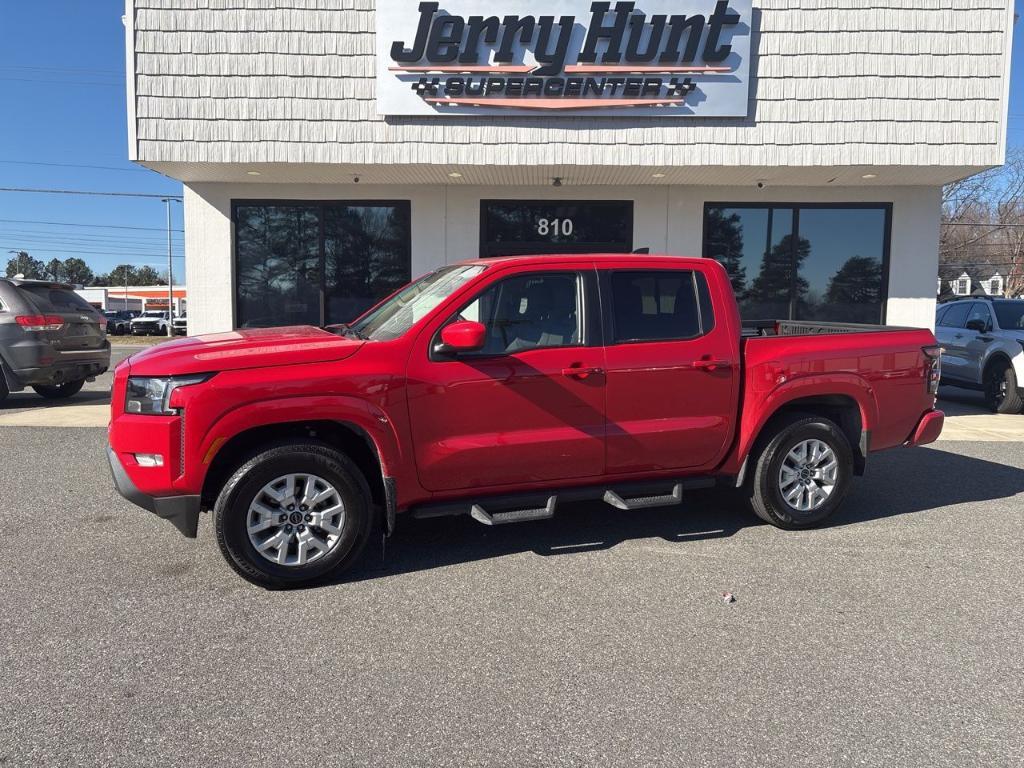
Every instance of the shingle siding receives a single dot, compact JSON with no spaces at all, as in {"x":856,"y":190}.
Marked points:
{"x":873,"y":82}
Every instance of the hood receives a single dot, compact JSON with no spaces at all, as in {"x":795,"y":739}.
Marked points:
{"x":249,"y":348}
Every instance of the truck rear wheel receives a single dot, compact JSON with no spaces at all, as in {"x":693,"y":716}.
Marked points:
{"x":293,"y":515}
{"x":801,"y":474}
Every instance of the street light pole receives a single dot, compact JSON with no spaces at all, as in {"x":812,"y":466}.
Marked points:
{"x":170,"y":272}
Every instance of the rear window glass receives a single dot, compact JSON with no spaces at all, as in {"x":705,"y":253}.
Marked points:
{"x":49,"y":299}
{"x":654,"y":306}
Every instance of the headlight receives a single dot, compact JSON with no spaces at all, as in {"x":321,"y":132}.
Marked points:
{"x":153,"y":395}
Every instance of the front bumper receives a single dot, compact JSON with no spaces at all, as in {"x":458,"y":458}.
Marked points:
{"x":928,"y":428}
{"x":181,"y":511}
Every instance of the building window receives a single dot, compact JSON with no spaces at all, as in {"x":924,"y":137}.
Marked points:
{"x":528,"y":227}
{"x":316,"y":263}
{"x":803,"y":261}
{"x":961,"y":286}
{"x":995,"y":286}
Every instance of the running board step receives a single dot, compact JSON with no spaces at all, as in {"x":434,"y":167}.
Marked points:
{"x":481,"y":515}
{"x":645,"y":502}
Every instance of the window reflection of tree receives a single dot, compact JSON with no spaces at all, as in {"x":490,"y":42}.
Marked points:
{"x":774,"y":284}
{"x":724,"y":243}
{"x":278,"y":265}
{"x":366,"y":257}
{"x":855,"y":291}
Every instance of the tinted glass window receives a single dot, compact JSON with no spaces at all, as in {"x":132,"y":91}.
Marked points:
{"x":56,"y":299}
{"x":939,"y":313}
{"x":803,"y":263}
{"x":518,"y":227}
{"x":528,"y":312}
{"x":1010,"y":315}
{"x":317,"y":263}
{"x":366,"y":248}
{"x":277,"y":251}
{"x":654,"y":306}
{"x":956,"y":315}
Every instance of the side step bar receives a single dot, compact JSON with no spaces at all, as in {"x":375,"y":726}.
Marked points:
{"x":645,"y":502}
{"x":521,"y":507}
{"x":481,"y":515}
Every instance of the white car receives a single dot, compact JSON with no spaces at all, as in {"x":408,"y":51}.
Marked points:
{"x":179,"y":325}
{"x":149,"y":323}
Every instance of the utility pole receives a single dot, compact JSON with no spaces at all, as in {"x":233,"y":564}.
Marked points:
{"x":170,"y":270}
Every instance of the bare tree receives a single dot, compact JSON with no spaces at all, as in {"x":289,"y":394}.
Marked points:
{"x":983,"y":223}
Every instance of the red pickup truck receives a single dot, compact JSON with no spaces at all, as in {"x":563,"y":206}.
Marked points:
{"x":500,"y":389}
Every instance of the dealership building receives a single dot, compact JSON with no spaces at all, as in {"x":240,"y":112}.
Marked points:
{"x":332,"y":149}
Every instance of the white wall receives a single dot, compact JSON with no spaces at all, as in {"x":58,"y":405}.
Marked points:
{"x":446,"y":228}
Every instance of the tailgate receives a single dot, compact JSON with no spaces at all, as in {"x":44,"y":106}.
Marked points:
{"x":82,"y":328}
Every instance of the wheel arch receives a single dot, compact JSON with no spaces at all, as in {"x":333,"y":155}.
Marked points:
{"x":347,"y":437}
{"x":853,"y":410}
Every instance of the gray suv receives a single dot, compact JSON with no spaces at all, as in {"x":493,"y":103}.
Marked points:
{"x":51,"y":339}
{"x":983,"y":349}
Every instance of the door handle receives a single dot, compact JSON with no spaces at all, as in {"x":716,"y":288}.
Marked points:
{"x":958,"y":336}
{"x":579,"y":372}
{"x":711,"y":365}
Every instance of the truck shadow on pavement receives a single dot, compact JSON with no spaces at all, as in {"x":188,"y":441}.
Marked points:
{"x":898,"y":482}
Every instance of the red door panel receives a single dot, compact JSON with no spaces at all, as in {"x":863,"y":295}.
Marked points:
{"x":510,"y":420}
{"x":529,"y":407}
{"x":671,"y":402}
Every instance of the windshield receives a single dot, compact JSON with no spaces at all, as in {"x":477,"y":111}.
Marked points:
{"x":1010,"y":315}
{"x":411,"y":304}
{"x":152,"y":314}
{"x":49,"y":299}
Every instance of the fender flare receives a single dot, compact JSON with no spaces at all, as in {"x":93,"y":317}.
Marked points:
{"x":849,"y":385}
{"x":353,"y":412}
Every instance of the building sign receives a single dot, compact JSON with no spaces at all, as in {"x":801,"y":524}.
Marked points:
{"x":524,"y":227}
{"x":686,"y":58}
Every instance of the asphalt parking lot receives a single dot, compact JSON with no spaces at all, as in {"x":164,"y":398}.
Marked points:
{"x":891,"y":637}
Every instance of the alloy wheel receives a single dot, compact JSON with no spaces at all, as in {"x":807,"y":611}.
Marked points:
{"x":296,"y":519}
{"x":808,"y":475}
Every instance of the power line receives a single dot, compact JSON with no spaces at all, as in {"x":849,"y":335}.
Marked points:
{"x":59,"y":82}
{"x":66,"y":69}
{"x":92,"y":253}
{"x":75,"y":165}
{"x":84,"y":192}
{"x":77,"y":224}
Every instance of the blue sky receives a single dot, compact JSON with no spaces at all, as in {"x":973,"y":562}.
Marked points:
{"x":62,"y":88}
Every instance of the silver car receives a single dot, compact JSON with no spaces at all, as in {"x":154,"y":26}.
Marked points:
{"x":983,"y":348}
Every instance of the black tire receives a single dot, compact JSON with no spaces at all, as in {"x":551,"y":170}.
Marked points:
{"x":1001,"y":392}
{"x":232,"y":509}
{"x":763,"y":484}
{"x":59,"y":391}
{"x":4,"y":392}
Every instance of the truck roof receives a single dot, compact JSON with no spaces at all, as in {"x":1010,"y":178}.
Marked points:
{"x":598,"y":257}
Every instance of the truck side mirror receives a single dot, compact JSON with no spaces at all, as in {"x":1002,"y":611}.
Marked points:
{"x":462,"y":336}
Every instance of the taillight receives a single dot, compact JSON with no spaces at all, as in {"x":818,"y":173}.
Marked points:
{"x":40,"y":322}
{"x":934,"y":355}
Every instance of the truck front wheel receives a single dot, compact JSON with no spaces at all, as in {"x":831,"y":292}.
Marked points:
{"x":293,"y":515}
{"x":801,"y":473}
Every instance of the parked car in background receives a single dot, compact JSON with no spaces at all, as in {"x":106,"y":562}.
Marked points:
{"x":501,"y":389}
{"x":983,"y":340}
{"x":179,"y":325}
{"x":119,"y":322}
{"x":152,"y":322}
{"x":51,"y":339}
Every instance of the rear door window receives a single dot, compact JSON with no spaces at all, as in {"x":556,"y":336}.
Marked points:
{"x":650,"y":305}
{"x":49,"y":299}
{"x":956,"y":315}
